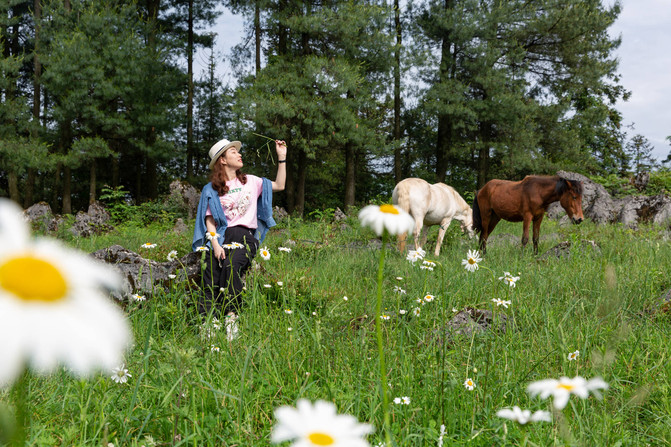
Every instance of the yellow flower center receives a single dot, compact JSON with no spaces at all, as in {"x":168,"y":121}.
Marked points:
{"x":566,"y":386}
{"x":32,"y":279}
{"x":389,"y":209}
{"x":321,"y":439}
{"x":471,"y":261}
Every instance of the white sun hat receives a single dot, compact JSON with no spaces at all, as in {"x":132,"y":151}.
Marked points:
{"x":220,"y":147}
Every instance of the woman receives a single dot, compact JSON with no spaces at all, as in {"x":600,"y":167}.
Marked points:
{"x":234,"y":214}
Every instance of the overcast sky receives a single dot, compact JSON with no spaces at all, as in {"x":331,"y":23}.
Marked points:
{"x":645,"y":65}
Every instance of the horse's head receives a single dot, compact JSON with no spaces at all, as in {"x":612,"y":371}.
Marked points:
{"x":467,"y":224}
{"x":571,"y":199}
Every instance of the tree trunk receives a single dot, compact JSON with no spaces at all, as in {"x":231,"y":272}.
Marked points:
{"x":29,"y":189}
{"x":189,"y":96}
{"x":483,"y":155}
{"x":443,"y":142}
{"x":92,"y":182}
{"x":13,"y":181}
{"x":299,"y":205}
{"x":257,"y":35}
{"x":350,"y":176}
{"x":398,"y":174}
{"x":37,"y":73}
{"x":67,"y":191}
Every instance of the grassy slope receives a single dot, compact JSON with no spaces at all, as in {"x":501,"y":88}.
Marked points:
{"x":602,"y":305}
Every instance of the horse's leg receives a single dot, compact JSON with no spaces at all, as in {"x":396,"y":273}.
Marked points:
{"x":488,"y":226}
{"x":425,"y":235}
{"x":537,"y":232}
{"x":525,"y":230}
{"x":418,"y":228}
{"x":401,"y":238}
{"x":441,"y":233}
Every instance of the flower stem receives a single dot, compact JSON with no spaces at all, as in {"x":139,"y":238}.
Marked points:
{"x":380,"y":344}
{"x":20,"y":392}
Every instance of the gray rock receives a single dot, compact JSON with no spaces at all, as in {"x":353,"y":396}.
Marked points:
{"x":338,"y":215}
{"x":143,"y":276}
{"x":180,"y":227}
{"x":597,"y":203}
{"x":92,"y":222}
{"x":185,"y":195}
{"x":40,"y":213}
{"x":469,"y":321}
{"x":279,"y":213}
{"x":641,"y":180}
{"x":566,"y":249}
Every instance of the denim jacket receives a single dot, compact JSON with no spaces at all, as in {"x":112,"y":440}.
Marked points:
{"x":210,"y":197}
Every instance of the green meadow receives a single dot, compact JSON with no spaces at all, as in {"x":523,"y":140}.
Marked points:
{"x":189,"y":390}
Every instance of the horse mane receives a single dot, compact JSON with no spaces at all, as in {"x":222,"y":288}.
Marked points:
{"x":563,"y":186}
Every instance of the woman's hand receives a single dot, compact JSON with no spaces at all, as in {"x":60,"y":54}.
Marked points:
{"x":219,"y":252}
{"x":281,"y":148}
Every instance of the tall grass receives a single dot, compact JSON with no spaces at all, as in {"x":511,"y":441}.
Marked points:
{"x":185,"y":392}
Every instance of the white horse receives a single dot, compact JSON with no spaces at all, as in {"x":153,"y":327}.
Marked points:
{"x":428,"y":204}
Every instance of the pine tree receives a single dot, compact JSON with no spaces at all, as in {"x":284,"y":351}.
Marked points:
{"x":639,"y":150}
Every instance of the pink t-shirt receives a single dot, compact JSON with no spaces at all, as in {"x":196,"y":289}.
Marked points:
{"x":239,"y":203}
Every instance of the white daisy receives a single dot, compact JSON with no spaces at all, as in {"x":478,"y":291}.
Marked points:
{"x":138,"y":297}
{"x":428,"y":263}
{"x":562,"y":389}
{"x":509,"y":279}
{"x":285,"y":249}
{"x":397,"y":400}
{"x":417,"y":311}
{"x":402,"y":311}
{"x":265,"y":254}
{"x":202,"y":248}
{"x":171,"y":276}
{"x":414,"y":255}
{"x":172,"y":255}
{"x":280,"y":283}
{"x":237,"y":245}
{"x":318,"y":424}
{"x":405,"y":400}
{"x":214,"y":348}
{"x":64,"y":317}
{"x":289,"y":329}
{"x":501,"y":302}
{"x":399,"y":278}
{"x":471,"y":261}
{"x":469,"y":384}
{"x":398,"y":290}
{"x":120,"y":374}
{"x":288,"y":311}
{"x":345,"y":298}
{"x":267,"y":286}
{"x":148,"y":245}
{"x":574,"y":355}
{"x":385,"y":317}
{"x":429,"y":298}
{"x":523,"y":417}
{"x":211,"y":235}
{"x":386,"y":217}
{"x":426,"y":267}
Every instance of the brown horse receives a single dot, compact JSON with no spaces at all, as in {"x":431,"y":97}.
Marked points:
{"x":524,"y":201}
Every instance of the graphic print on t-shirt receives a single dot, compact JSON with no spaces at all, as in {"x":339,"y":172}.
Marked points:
{"x":235,"y":202}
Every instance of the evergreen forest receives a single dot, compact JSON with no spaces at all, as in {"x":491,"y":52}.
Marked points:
{"x":104,"y":94}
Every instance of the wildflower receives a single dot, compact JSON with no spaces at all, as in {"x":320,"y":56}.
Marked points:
{"x":425,"y":267}
{"x":414,"y":256}
{"x":232,"y":329}
{"x":171,"y":276}
{"x":420,"y":301}
{"x":501,"y":302}
{"x":509,"y":279}
{"x":471,"y":261}
{"x":522,"y":417}
{"x":285,"y":249}
{"x":280,"y":283}
{"x":345,"y":298}
{"x":402,"y":311}
{"x":442,"y":434}
{"x":399,"y":278}
{"x":416,"y":311}
{"x":397,"y":400}
{"x":237,"y":245}
{"x":148,"y":245}
{"x":405,"y":400}
{"x":428,"y":263}
{"x":214,"y":348}
{"x":120,"y":374}
{"x":212,"y":235}
{"x":318,"y":424}
{"x":202,"y":248}
{"x":172,"y":255}
{"x":63,"y":316}
{"x":469,"y":384}
{"x":562,"y":389}
{"x":386,"y":217}
{"x":265,"y":254}
{"x":398,"y":290}
{"x":267,"y":286}
{"x":385,"y":317}
{"x":138,"y":297}
{"x":289,"y":329}
{"x":288,"y":311}
{"x":573,"y":355}
{"x":455,"y":310}
{"x":429,"y":298}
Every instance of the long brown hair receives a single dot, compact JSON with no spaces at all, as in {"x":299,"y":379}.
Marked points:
{"x":218,"y":178}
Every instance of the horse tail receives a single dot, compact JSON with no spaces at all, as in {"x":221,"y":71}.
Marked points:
{"x":477,"y":220}
{"x":401,"y":197}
